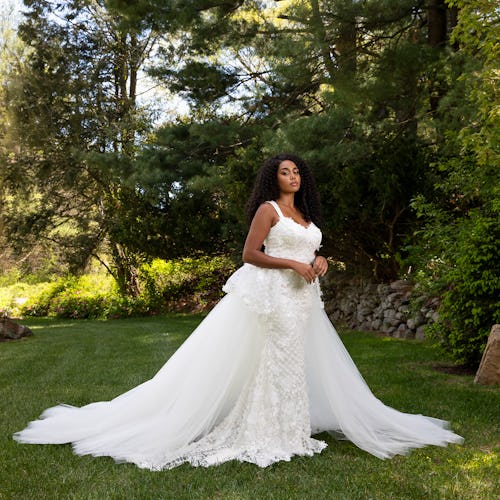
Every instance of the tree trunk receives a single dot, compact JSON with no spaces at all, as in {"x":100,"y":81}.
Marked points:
{"x":127,"y":275}
{"x":436,"y":23}
{"x":437,"y":36}
{"x":325,"y":48}
{"x":346,"y":43}
{"x":453,"y":21}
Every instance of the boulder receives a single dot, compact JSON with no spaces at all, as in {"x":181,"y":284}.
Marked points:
{"x":488,"y":372}
{"x":401,"y":286}
{"x":420,"y":333}
{"x":9,"y":330}
{"x":411,"y":324}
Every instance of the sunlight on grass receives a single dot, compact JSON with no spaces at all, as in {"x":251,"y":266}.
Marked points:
{"x":480,"y":460}
{"x":66,"y":325}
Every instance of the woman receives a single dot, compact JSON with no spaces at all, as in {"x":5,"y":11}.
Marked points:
{"x":262,"y":372}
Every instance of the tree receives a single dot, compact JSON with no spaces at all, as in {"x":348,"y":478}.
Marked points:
{"x":459,"y":257}
{"x":77,"y":123}
{"x":345,"y":84}
{"x":12,"y":54}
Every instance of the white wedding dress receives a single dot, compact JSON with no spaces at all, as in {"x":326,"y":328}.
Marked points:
{"x":261,"y":373}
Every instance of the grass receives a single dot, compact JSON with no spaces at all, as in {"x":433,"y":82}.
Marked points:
{"x":81,"y":361}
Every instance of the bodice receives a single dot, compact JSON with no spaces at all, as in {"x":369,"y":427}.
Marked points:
{"x":289,"y":240}
{"x":271,"y":291}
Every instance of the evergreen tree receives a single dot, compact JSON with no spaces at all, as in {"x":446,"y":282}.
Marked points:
{"x":458,"y":257}
{"x":76,"y":124}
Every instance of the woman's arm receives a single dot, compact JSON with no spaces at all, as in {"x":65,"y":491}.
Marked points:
{"x":264,"y":219}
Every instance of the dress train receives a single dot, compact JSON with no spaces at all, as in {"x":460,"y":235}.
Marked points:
{"x":263,"y":372}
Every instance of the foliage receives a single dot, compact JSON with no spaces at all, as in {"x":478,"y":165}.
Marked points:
{"x":467,"y":278}
{"x":186,"y":170}
{"x":185,"y":284}
{"x":349,"y":86}
{"x":394,"y":104}
{"x":458,"y":256}
{"x":188,"y":278}
{"x":73,"y":127}
{"x":79,"y":362}
{"x":309,"y":84}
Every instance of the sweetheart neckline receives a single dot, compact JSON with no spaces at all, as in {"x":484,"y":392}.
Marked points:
{"x":294,"y":221}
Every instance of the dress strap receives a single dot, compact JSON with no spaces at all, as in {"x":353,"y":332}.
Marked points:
{"x":276,"y":207}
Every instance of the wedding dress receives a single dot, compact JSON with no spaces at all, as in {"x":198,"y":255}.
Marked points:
{"x":263,"y":372}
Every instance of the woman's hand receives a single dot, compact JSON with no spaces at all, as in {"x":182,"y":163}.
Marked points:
{"x":305,"y":270}
{"x":320,"y":265}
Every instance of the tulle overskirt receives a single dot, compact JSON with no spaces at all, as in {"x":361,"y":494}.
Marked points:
{"x":155,"y":424}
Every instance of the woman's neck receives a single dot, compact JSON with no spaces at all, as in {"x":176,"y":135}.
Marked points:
{"x":287,"y":200}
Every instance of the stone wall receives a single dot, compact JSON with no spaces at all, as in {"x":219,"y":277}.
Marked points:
{"x":378,"y":307}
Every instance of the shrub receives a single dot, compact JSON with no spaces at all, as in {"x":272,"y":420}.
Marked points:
{"x":197,"y":280}
{"x":471,"y":303}
{"x":72,"y":297}
{"x":188,"y":284}
{"x":459,"y":261}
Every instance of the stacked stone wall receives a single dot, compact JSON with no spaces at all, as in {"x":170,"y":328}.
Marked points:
{"x":395,"y":309}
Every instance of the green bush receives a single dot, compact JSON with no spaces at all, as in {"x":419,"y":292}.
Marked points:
{"x":199,"y":279}
{"x":81,"y":297}
{"x":471,"y":302}
{"x":459,"y":261}
{"x":189,"y":284}
{"x":15,"y":297}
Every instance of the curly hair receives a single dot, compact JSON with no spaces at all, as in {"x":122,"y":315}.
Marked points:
{"x":266,"y":188}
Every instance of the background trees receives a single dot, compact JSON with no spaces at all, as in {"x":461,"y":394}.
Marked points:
{"x":458,"y":256}
{"x":353,"y":87}
{"x":393,"y":103}
{"x":76,"y":125}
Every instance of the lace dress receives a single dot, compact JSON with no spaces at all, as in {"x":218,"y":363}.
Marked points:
{"x":263,"y":372}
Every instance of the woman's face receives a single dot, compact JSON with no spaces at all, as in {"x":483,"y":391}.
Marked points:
{"x":288,"y":177}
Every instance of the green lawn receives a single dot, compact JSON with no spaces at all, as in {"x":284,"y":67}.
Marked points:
{"x":78,"y":362}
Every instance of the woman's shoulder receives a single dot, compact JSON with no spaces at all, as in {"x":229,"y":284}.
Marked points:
{"x":266,"y":207}
{"x":266,"y":212}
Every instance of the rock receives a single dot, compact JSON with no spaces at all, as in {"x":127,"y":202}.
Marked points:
{"x":401,"y":286}
{"x":9,"y":330}
{"x":419,"y":319}
{"x":416,"y":321}
{"x":393,"y":298}
{"x":366,"y":326}
{"x":420,"y":333}
{"x":409,"y":334}
{"x":401,"y":331}
{"x":360,"y":317}
{"x":395,"y":322}
{"x":382,"y":289}
{"x":433,"y":302}
{"x":379,"y":307}
{"x":488,"y":372}
{"x":329,"y":309}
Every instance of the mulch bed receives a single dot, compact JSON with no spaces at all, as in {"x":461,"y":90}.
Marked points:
{"x":455,"y":369}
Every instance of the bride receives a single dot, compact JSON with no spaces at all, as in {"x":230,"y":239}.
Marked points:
{"x":263,"y":372}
